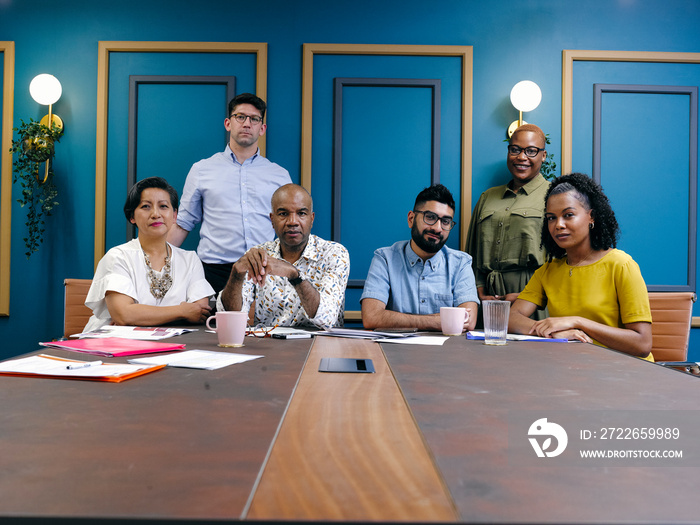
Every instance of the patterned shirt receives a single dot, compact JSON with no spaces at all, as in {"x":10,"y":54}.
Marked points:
{"x":325,"y":264}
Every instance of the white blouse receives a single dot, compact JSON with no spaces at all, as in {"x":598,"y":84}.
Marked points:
{"x":123,"y":269}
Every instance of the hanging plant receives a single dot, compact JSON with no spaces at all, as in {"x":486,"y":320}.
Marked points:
{"x":34,"y":147}
{"x":549,"y":167}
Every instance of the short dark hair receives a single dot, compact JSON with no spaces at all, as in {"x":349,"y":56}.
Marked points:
{"x":605,"y":231}
{"x":436,"y":192}
{"x":247,"y":98}
{"x":133,"y":198}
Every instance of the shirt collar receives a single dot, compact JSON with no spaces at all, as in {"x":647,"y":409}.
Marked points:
{"x":311,"y":251}
{"x":529,"y":187}
{"x":434,"y":262}
{"x":230,"y":153}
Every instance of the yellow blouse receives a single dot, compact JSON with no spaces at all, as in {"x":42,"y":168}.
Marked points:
{"x":610,"y":291}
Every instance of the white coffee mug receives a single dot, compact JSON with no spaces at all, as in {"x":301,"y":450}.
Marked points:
{"x":230,"y":327}
{"x":452,"y":319}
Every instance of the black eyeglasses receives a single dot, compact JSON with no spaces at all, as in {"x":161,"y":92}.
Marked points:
{"x":530,"y":151}
{"x":240,"y":118}
{"x":431,"y":218}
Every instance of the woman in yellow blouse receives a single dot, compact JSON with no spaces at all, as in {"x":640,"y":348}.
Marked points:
{"x":594,"y":292}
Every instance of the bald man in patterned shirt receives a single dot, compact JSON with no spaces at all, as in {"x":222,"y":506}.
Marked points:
{"x":298,"y":279}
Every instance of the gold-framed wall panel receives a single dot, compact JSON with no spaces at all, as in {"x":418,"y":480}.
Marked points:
{"x":463,"y":52}
{"x":569,"y":56}
{"x":8,"y":96}
{"x":104,"y":50}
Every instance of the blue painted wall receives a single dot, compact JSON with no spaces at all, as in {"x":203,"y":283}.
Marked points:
{"x":513,"y":40}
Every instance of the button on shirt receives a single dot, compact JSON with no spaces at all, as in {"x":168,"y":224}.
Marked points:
{"x":504,"y":236}
{"x":325,"y":264}
{"x":399,"y":278}
{"x":232,"y":202}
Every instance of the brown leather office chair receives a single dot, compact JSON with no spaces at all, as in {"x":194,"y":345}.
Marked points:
{"x":671,"y":313}
{"x":75,"y":313}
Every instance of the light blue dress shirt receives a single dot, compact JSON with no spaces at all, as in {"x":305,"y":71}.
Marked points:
{"x":232,"y":201}
{"x":399,"y":278}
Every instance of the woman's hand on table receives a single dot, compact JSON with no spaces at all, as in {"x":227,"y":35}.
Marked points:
{"x":196,"y":313}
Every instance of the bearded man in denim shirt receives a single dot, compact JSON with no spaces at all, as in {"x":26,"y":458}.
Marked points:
{"x":409,"y":281}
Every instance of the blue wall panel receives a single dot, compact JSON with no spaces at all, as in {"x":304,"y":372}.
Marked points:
{"x":645,"y":175}
{"x":380,"y":181}
{"x":381,"y":141}
{"x":586,"y":74}
{"x":178,"y":125}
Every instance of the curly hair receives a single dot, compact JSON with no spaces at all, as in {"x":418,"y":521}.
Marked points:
{"x":605,"y":230}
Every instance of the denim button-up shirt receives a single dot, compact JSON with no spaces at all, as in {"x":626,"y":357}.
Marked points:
{"x":399,"y":278}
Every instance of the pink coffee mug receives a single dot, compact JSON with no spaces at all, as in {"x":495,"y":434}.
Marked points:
{"x":230,"y":327}
{"x":452,"y":319}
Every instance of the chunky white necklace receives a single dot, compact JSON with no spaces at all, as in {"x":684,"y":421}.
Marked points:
{"x":159,"y":285}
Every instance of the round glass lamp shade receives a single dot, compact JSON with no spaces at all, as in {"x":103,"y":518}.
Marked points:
{"x":45,"y":89}
{"x":525,"y":96}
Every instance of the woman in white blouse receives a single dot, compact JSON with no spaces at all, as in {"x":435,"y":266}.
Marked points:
{"x":146,"y":281}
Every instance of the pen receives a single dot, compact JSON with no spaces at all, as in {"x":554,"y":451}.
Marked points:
{"x":291,"y":336}
{"x":84,"y":365}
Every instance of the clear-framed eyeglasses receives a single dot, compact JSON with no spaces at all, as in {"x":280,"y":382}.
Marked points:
{"x":431,"y":218}
{"x":530,"y":151}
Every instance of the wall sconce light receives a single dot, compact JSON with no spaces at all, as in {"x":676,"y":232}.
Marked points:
{"x":35,"y":144}
{"x":46,"y":89}
{"x":525,"y":96}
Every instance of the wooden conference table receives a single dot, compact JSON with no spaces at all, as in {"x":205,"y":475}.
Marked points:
{"x":424,"y":439}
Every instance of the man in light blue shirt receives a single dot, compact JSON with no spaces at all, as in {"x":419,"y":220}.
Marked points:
{"x":409,"y":281}
{"x":229,"y":194}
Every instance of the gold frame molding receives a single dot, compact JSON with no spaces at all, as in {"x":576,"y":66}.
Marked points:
{"x":107,"y":47}
{"x":464,"y":52}
{"x":569,"y":56}
{"x":8,"y":96}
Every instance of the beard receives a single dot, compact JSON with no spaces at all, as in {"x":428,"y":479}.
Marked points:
{"x":427,"y":245}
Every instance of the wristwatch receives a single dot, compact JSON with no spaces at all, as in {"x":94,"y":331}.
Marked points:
{"x":297,"y":280}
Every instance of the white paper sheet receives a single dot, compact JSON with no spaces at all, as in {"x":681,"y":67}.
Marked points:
{"x":202,"y":359}
{"x":48,"y":365}
{"x":437,"y":340}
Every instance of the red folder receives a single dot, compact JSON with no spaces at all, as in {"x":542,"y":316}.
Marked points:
{"x":114,"y":346}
